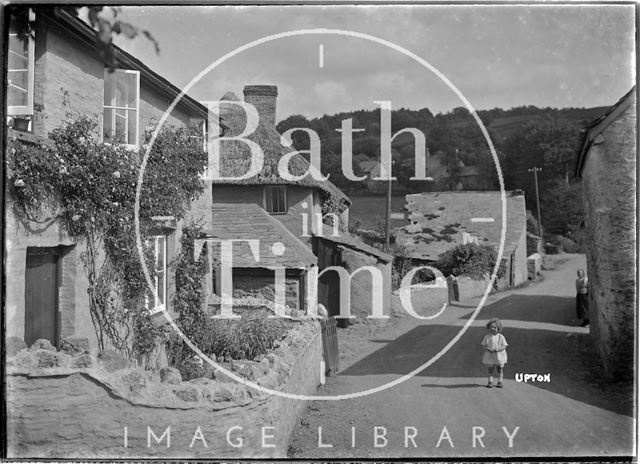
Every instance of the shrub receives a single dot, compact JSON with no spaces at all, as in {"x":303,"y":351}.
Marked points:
{"x":565,"y":243}
{"x":532,"y":224}
{"x":469,"y":260}
{"x":252,"y":335}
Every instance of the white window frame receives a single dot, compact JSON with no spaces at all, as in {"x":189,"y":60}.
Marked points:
{"x":21,"y":110}
{"x":203,"y":123}
{"x":264,"y":198}
{"x":157,"y":306}
{"x":131,"y":146}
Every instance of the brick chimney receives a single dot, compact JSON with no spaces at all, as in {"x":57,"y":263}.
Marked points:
{"x":263,"y":97}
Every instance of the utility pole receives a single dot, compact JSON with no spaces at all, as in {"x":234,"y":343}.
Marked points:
{"x":387,"y":223}
{"x":535,"y":170}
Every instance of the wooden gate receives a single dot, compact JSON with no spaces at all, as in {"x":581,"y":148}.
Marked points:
{"x":42,"y":279}
{"x":330,"y":346}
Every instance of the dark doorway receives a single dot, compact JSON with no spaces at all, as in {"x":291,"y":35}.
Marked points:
{"x":42,"y":283}
{"x":329,"y":283}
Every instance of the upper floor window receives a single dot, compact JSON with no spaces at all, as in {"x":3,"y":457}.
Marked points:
{"x":20,"y":65}
{"x":275,"y":199}
{"x":121,"y":107}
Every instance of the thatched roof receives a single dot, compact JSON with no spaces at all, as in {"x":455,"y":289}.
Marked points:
{"x":236,"y":157}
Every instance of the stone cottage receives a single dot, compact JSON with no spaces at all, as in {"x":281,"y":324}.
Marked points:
{"x":54,"y":72}
{"x":607,"y":166}
{"x":289,"y":217}
{"x":440,"y":221}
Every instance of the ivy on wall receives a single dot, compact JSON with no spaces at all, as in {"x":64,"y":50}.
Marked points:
{"x":333,"y":205}
{"x":89,"y":188}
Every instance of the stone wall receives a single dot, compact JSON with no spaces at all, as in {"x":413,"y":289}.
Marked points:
{"x":471,"y":288}
{"x":609,"y":186}
{"x":74,"y":405}
{"x":264,"y":285}
{"x":426,"y":300}
{"x":520,"y":257}
{"x":69,"y":81}
{"x":362,"y":282}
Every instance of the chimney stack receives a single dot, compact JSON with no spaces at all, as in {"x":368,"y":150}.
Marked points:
{"x":263,"y":98}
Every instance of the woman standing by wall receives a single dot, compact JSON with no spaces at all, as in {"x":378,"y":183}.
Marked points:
{"x":582,"y":305}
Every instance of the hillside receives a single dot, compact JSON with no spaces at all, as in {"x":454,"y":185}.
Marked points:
{"x":507,"y":125}
{"x":453,"y":134}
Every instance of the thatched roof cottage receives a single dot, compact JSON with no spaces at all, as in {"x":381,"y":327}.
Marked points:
{"x":280,"y":211}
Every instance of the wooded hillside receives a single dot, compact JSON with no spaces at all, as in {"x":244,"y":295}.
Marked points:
{"x":524,"y":137}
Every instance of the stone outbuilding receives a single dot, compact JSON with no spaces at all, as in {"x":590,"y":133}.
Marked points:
{"x":440,"y":221}
{"x":607,"y":166}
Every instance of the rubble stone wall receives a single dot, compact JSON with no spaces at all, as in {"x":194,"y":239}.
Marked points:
{"x":609,"y":186}
{"x":471,"y":288}
{"x":77,"y":405}
{"x":361,"y":284}
{"x":69,"y":80}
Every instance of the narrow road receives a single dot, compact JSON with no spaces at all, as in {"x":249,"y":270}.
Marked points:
{"x":437,"y":412}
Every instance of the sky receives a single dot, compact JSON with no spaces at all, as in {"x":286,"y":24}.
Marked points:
{"x":495,"y":55}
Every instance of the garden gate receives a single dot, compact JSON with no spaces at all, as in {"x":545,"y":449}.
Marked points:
{"x":330,"y":346}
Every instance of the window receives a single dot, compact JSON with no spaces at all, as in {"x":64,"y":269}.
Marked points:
{"x":275,"y":199}
{"x":121,"y":107}
{"x":156,"y":301}
{"x":20,"y":63}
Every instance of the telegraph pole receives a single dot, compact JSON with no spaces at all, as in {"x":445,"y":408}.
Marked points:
{"x":387,"y":224}
{"x":535,"y":170}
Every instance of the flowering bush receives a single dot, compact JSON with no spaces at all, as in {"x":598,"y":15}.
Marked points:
{"x":90,"y":188}
{"x":246,"y":338}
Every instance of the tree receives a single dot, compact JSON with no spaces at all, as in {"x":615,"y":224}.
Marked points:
{"x":550,"y":142}
{"x":562,"y":208}
{"x":469,"y":260}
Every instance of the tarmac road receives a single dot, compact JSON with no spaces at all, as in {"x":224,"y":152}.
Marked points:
{"x":438,"y":412}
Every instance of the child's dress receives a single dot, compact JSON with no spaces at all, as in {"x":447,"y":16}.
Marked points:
{"x":494,"y":342}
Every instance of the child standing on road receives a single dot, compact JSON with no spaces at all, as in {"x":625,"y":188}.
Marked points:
{"x":495,"y":351}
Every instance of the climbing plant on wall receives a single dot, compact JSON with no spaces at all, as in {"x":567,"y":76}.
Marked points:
{"x":89,"y":188}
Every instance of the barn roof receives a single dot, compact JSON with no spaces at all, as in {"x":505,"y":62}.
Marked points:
{"x":250,"y":221}
{"x":236,"y":156}
{"x":439,"y":220}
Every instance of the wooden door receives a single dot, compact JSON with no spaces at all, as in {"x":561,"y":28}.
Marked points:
{"x":41,"y":295}
{"x":330,"y":350}
{"x":329,"y":283}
